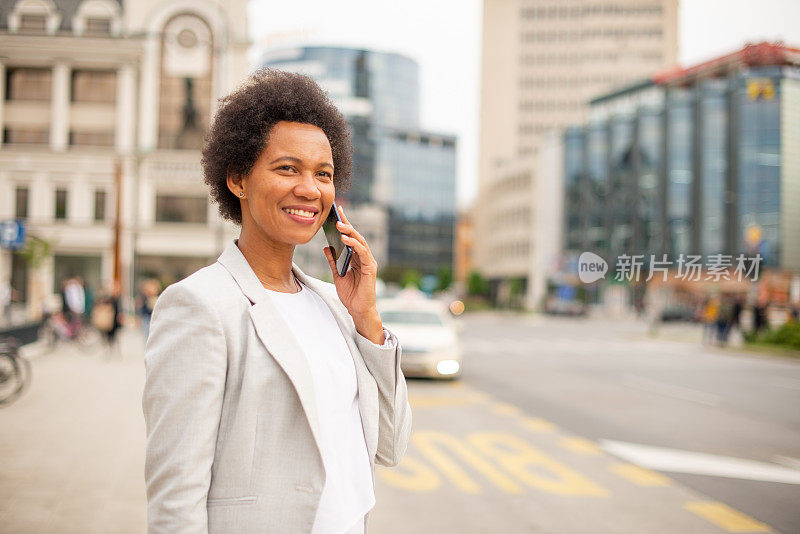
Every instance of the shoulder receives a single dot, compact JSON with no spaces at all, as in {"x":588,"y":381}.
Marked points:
{"x":210,"y":284}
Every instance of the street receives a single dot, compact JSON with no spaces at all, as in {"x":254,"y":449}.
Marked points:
{"x":558,"y":425}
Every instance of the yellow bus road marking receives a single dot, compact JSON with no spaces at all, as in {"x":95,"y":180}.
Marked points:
{"x":580,"y":446}
{"x":411,"y":475}
{"x":432,"y":444}
{"x":533,"y":467}
{"x":538,"y":425}
{"x":503,"y":408}
{"x":640,"y":475}
{"x":504,"y":460}
{"x":726,"y":517}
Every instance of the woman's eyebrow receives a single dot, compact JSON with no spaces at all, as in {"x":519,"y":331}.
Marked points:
{"x":298,"y":160}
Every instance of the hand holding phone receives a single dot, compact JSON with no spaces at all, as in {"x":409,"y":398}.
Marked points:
{"x":356,"y":288}
{"x":341,"y":252}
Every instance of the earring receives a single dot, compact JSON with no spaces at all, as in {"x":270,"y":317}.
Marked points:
{"x":241,"y":194}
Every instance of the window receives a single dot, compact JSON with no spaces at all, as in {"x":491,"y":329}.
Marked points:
{"x":32,"y":24}
{"x":29,"y":84}
{"x":21,"y":203}
{"x":19,"y":278}
{"x":99,"y":205}
{"x":182,"y":209}
{"x":94,"y":86}
{"x":97,"y":18}
{"x":33,"y":16}
{"x":61,"y":204}
{"x":25,"y":136}
{"x":98,"y":27}
{"x":91,"y":138}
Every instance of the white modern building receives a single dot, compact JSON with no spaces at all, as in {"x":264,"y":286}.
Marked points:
{"x":102,"y":113}
{"x":542,"y":62}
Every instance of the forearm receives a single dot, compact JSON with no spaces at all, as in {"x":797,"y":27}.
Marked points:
{"x":370,"y":326}
{"x":394,"y":426}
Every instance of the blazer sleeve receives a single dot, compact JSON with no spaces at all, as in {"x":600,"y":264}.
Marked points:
{"x":394,"y":417}
{"x":186,"y":365}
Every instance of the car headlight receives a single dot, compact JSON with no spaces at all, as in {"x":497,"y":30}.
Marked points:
{"x":447,"y":367}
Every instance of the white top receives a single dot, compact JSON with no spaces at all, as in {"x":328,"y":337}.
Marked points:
{"x":348,"y":493}
{"x":75,"y":297}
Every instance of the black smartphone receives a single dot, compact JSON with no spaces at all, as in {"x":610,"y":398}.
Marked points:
{"x":341,"y":252}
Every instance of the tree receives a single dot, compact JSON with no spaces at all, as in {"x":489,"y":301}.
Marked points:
{"x":476,"y":285}
{"x":392,"y":274}
{"x":35,"y":253}
{"x":445,"y":276}
{"x":411,"y":277}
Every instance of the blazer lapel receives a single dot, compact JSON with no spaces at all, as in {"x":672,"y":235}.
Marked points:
{"x":367,"y":388}
{"x":274,"y":333}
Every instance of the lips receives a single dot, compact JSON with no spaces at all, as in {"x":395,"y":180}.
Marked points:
{"x":302,"y":216}
{"x":301,"y":212}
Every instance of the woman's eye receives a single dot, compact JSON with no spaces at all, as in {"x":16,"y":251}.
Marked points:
{"x":325,"y":174}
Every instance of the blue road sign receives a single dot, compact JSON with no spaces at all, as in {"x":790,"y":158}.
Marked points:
{"x":12,"y":234}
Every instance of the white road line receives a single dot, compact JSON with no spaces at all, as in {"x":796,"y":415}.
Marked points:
{"x":671,"y":390}
{"x":696,"y":463}
{"x":788,"y":461}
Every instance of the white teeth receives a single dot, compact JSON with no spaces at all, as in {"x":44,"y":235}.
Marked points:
{"x":309,"y":214}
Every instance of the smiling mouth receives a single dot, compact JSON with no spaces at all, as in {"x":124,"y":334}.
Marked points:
{"x":300,"y":213}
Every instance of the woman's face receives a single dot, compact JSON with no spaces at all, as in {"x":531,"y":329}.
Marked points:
{"x":290,"y":190}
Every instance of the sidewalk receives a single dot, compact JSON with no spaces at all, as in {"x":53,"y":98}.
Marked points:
{"x":73,"y":445}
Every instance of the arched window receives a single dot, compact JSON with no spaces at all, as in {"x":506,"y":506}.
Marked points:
{"x":34,"y":17}
{"x":186,"y":79}
{"x":97,"y":18}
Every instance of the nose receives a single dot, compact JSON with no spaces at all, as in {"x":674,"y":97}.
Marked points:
{"x":306,"y":187}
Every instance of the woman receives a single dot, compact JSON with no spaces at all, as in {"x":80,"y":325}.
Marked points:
{"x":270,"y":395}
{"x":107,"y":318}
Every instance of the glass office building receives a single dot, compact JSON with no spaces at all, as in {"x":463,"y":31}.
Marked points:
{"x":406,"y":171}
{"x":698,"y":161}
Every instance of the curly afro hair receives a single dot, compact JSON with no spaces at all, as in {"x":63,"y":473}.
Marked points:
{"x":240,"y":130}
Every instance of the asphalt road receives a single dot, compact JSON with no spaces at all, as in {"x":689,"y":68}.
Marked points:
{"x":543,"y":434}
{"x":610,"y":382}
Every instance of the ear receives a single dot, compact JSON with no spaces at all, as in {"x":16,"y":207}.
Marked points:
{"x":235,"y":182}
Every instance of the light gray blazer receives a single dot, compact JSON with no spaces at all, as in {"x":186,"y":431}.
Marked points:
{"x":232,"y":428}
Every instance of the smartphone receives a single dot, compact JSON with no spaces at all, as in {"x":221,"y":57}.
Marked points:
{"x":341,"y":252}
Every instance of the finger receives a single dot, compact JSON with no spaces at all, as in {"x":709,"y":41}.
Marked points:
{"x":331,"y":261}
{"x":364,"y":255}
{"x":347,"y":229}
{"x":342,"y":215}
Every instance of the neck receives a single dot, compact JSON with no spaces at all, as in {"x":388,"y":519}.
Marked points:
{"x":270,"y":261}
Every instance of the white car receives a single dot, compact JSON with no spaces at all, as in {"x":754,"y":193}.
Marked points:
{"x":428,"y":335}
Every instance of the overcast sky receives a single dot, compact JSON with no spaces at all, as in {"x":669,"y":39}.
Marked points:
{"x":443,"y":36}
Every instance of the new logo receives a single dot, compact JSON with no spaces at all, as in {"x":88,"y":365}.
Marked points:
{"x":591,"y":267}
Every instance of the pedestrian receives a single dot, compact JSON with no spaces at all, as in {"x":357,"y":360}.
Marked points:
{"x":724,"y":320}
{"x":107,"y":318}
{"x":760,"y":316}
{"x":145,"y":302}
{"x":270,"y":395}
{"x":709,"y":316}
{"x":5,"y":302}
{"x":74,"y":304}
{"x":736,"y":315}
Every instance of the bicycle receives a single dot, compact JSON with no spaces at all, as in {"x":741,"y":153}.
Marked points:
{"x":58,"y":329}
{"x":15,"y":371}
